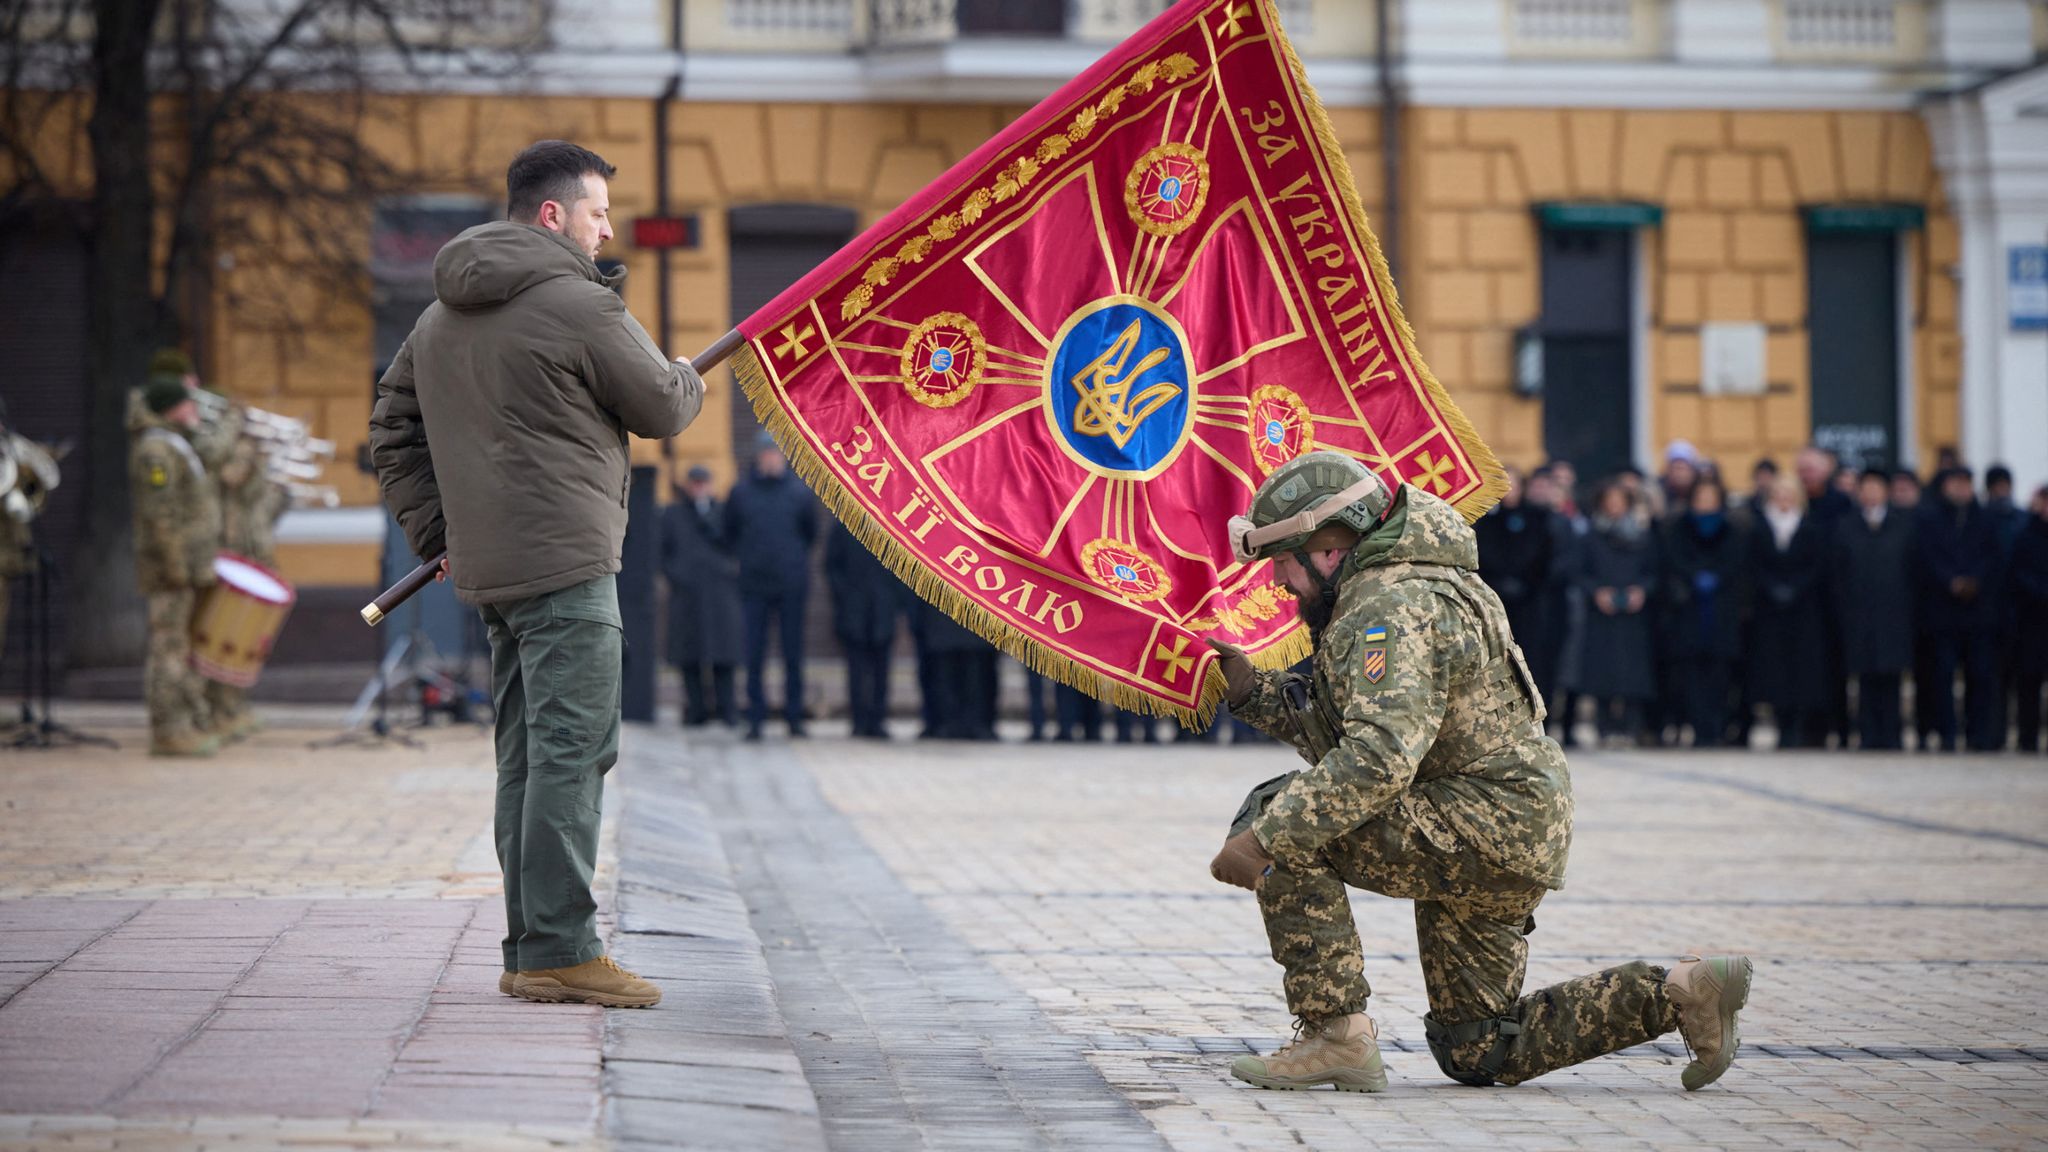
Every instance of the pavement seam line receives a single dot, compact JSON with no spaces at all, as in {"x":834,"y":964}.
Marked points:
{"x":190,"y":1034}
{"x":73,"y":954}
{"x":426,"y":1005}
{"x":1694,"y":775}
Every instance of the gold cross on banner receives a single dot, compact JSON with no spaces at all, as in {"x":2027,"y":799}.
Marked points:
{"x":1175,"y":658}
{"x":793,"y":341}
{"x":1233,"y":21}
{"x":1432,"y":474}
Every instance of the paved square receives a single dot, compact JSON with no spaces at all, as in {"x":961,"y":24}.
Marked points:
{"x":1894,"y":907}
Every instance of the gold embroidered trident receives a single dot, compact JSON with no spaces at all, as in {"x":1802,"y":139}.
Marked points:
{"x":1106,"y":406}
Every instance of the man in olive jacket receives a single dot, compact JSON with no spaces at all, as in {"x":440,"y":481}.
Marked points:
{"x":500,"y":435}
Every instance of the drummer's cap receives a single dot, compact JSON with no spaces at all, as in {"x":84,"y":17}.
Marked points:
{"x":170,"y":362}
{"x":698,"y":472}
{"x":163,"y":394}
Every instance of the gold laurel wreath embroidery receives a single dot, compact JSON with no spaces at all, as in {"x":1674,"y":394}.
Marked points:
{"x":1258,"y":606}
{"x":1163,"y":584}
{"x":1013,"y":179}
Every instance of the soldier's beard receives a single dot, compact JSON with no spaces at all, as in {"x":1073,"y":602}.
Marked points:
{"x":1316,"y":611}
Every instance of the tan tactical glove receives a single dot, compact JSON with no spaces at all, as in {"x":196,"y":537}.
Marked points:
{"x":1242,"y":862}
{"x":1239,"y":677}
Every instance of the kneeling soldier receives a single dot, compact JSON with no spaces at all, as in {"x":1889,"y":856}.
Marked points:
{"x":1432,"y":781}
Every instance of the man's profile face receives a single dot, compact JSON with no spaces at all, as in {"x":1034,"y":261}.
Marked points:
{"x":588,"y":222}
{"x":1814,"y":469}
{"x":769,"y":464}
{"x":185,"y":414}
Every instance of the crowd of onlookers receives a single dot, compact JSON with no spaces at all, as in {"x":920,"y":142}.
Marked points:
{"x":1662,"y":610}
{"x":1669,"y":609}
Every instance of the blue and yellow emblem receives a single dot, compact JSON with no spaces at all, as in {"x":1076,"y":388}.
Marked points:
{"x":1376,"y":654}
{"x":1119,"y":391}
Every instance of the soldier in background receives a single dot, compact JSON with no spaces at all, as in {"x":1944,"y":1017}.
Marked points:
{"x":1430,"y":780}
{"x":177,"y":532}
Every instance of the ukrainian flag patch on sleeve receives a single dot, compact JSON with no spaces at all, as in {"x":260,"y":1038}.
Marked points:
{"x":1376,"y":653}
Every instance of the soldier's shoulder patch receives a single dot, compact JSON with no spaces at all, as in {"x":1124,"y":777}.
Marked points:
{"x":1375,"y":638}
{"x":158,"y":477}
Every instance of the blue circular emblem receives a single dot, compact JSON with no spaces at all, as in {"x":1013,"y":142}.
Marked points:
{"x":1275,"y":432}
{"x":942,"y":360}
{"x":1119,"y":388}
{"x":1169,"y":189}
{"x":1126,"y":572}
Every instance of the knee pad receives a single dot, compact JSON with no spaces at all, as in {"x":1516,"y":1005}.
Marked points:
{"x":1445,"y":1039}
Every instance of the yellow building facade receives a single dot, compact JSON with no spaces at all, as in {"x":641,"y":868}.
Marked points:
{"x":1718,"y":159}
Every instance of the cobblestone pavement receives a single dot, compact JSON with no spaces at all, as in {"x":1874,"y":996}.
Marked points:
{"x":273,"y":947}
{"x":1894,"y":907}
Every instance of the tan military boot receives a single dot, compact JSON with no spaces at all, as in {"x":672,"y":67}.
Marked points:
{"x":1343,"y":1053}
{"x":1708,"y":994}
{"x":505,"y":982}
{"x":186,"y":743}
{"x":598,"y":981}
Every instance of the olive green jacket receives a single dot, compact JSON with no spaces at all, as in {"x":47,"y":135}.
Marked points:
{"x":499,"y":432}
{"x":1421,"y":708}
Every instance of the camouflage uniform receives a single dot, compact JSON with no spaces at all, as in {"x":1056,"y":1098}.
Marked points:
{"x":250,"y":503}
{"x":1432,"y":781}
{"x":177,"y":531}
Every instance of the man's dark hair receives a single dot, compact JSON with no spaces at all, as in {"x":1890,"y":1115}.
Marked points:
{"x":1764,"y":465}
{"x":550,"y":170}
{"x":1997,"y":474}
{"x":1881,"y":475}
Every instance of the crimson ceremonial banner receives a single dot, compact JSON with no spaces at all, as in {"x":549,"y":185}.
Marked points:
{"x":1040,"y":388}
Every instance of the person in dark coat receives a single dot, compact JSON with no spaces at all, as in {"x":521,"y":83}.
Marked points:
{"x":866,"y":598}
{"x":957,"y":672}
{"x":704,"y":613}
{"x":1518,"y":560}
{"x":1565,"y":610}
{"x":1617,"y":575}
{"x":1827,"y":506}
{"x":1873,"y":590}
{"x":1959,"y":564}
{"x":1788,"y":627}
{"x":1703,"y":603}
{"x":2028,"y":580}
{"x":1079,"y":715}
{"x":771,"y":524}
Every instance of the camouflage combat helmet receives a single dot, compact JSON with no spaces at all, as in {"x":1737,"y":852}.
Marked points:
{"x":1303,"y":495}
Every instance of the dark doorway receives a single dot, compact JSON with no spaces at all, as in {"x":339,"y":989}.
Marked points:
{"x":43,"y":328}
{"x":1012,"y":17}
{"x":774,"y":246}
{"x":1852,"y":317}
{"x":1588,"y":353}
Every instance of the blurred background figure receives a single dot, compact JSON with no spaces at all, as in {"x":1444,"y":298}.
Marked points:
{"x":956,"y":671}
{"x":1906,"y":490}
{"x":2029,"y":583}
{"x":705,"y":618}
{"x":1701,"y":606}
{"x":1079,"y":716}
{"x":1959,"y":562}
{"x":866,"y":598}
{"x":1567,"y":608}
{"x":1035,"y":715}
{"x":1762,"y":476}
{"x":1134,"y":727}
{"x":1872,"y":586}
{"x":1681,"y":472}
{"x":1617,"y":571}
{"x":1518,"y":559}
{"x":771,"y":524}
{"x":1786,"y":659}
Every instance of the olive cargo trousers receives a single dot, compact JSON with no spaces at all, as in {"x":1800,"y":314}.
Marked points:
{"x":555,"y":682}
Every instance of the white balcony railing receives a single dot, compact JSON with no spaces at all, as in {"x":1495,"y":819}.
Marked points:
{"x":1318,"y":27}
{"x":1603,"y":28}
{"x":1873,"y":31}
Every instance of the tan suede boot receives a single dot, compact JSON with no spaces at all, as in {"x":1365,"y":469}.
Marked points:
{"x":598,"y":981}
{"x":505,"y":982}
{"x":1343,"y":1053}
{"x":1708,"y":994}
{"x":186,"y":743}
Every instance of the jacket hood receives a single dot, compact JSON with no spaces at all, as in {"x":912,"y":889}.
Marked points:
{"x":491,"y":263}
{"x":1420,"y":529}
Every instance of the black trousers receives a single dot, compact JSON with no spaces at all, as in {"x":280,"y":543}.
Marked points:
{"x":1706,"y":684}
{"x":2027,"y":681}
{"x":708,"y":693}
{"x":867,"y":688}
{"x":786,"y":612}
{"x":1975,"y":652}
{"x":1080,"y":716}
{"x":1879,"y":724}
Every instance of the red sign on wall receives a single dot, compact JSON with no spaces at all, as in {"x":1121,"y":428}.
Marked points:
{"x":658,"y":232}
